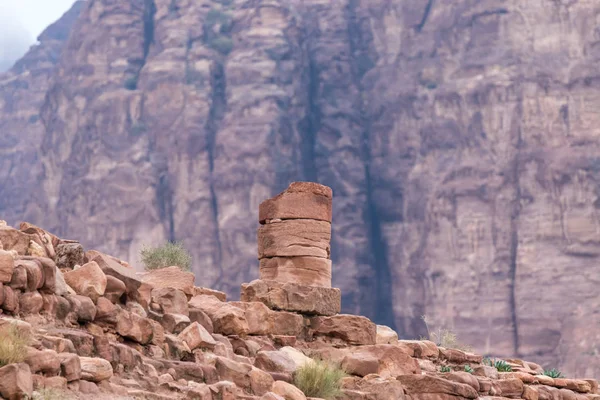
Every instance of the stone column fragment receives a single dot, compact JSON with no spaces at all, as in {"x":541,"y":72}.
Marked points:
{"x":294,"y":238}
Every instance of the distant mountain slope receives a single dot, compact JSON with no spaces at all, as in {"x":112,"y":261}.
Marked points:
{"x":461,"y":140}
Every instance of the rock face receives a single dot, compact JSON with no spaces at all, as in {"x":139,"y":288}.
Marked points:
{"x":460,"y":139}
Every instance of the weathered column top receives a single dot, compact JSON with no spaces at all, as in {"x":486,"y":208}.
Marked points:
{"x":301,"y":200}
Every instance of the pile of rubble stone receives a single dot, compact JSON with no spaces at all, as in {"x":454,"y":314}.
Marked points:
{"x":99,"y":329}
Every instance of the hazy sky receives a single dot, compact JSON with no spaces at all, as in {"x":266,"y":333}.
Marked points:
{"x":21,"y":21}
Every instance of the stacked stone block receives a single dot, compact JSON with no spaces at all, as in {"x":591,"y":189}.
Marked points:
{"x":294,"y":252}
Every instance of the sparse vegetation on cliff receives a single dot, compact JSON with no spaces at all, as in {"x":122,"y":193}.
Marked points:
{"x":444,"y":338}
{"x":167,"y":255}
{"x":319,"y":379}
{"x":13,"y":345}
{"x":500,"y":365}
{"x":554,"y":373}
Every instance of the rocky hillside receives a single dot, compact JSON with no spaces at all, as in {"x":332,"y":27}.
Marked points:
{"x":83,"y":324}
{"x":460,"y":140}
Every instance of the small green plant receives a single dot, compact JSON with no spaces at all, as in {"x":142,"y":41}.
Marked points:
{"x":502,"y":366}
{"x":319,"y":379}
{"x":167,"y":255}
{"x":468,"y":369}
{"x":445,"y":338}
{"x":13,"y":345}
{"x":554,"y":373}
{"x":445,"y":368}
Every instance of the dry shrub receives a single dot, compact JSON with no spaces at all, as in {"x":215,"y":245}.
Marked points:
{"x":320,"y":379}
{"x":443,"y":337}
{"x":13,"y":345}
{"x":167,"y":255}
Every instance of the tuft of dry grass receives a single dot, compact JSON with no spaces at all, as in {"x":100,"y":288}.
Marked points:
{"x":443,"y":337}
{"x":167,"y":255}
{"x":13,"y":345}
{"x":320,"y":379}
{"x":50,"y":394}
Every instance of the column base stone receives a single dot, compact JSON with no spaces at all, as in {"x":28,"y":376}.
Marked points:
{"x":304,"y":299}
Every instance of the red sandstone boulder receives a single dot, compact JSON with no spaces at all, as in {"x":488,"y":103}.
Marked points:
{"x":14,"y":239}
{"x":16,"y":382}
{"x":43,"y":361}
{"x":70,"y":366}
{"x":210,"y":292}
{"x":350,"y":328}
{"x":83,"y":308}
{"x":263,"y":321}
{"x":301,"y":200}
{"x":87,"y":280}
{"x":244,"y":375}
{"x":275,"y":361}
{"x":226,"y":318}
{"x":512,"y":387}
{"x":31,"y":303}
{"x":195,"y":336}
{"x":293,"y":297}
{"x":386,"y":335}
{"x":136,"y":289}
{"x":95,"y":369}
{"x":463,"y":377}
{"x":170,"y":300}
{"x":171,"y":277}
{"x":7,"y":265}
{"x":202,"y":318}
{"x":287,"y":391}
{"x":115,"y":288}
{"x":422,"y":384}
{"x":134,"y":327}
{"x":174,"y":323}
{"x":384,"y":359}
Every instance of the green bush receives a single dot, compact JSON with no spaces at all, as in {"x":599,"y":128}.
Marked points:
{"x":468,"y":369}
{"x":13,"y":345}
{"x":167,"y":255}
{"x":445,"y":368}
{"x":319,"y":379}
{"x":554,"y":373}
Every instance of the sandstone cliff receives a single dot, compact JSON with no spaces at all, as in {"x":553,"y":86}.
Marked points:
{"x":460,"y":139}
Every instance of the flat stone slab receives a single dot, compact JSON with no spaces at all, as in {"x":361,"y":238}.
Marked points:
{"x":312,"y":271}
{"x":301,"y":200}
{"x":304,"y":299}
{"x":294,"y":238}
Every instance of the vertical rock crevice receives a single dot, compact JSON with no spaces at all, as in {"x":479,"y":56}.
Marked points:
{"x":215,"y":116}
{"x":137,"y":64}
{"x":311,"y":124}
{"x":381,"y":285}
{"x":426,"y":14}
{"x":514,"y":238}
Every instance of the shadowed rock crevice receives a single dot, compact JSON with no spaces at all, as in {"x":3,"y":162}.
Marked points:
{"x":148,"y":14}
{"x":514,"y":232}
{"x":426,"y":13}
{"x":218,"y":106}
{"x":310,"y":125}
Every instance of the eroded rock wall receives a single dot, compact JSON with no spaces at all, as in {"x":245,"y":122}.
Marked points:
{"x":460,"y":140}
